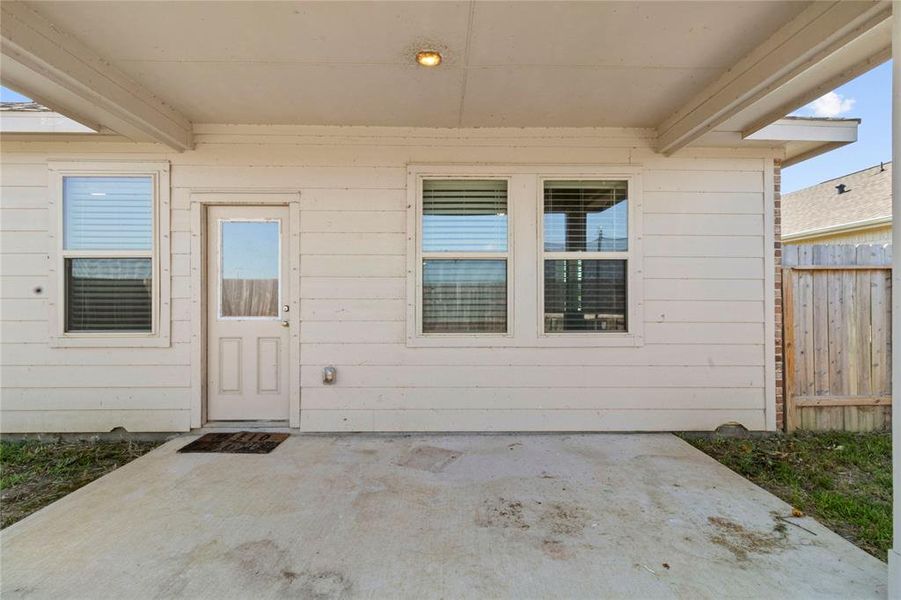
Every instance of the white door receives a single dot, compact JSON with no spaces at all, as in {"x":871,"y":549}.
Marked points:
{"x":247,"y":346}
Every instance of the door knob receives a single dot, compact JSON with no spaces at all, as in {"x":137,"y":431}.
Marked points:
{"x":286,"y":324}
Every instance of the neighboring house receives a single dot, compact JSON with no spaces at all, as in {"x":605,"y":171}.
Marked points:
{"x":568,"y":224}
{"x":31,"y":117}
{"x":852,"y":209}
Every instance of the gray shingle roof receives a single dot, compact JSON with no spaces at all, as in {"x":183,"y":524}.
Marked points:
{"x":868,"y":196}
{"x":23,"y":107}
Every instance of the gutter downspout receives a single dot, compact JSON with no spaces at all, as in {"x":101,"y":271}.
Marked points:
{"x":894,"y":555}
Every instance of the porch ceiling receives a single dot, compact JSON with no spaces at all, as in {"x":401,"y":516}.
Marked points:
{"x":506,"y":63}
{"x":150,"y":70}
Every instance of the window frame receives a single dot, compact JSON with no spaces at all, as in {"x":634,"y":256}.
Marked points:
{"x":525,"y":261}
{"x":467,"y":338}
{"x":159,"y":254}
{"x":629,"y":255}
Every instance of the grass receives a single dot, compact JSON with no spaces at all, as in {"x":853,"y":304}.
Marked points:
{"x":844,"y":480}
{"x":33,"y":474}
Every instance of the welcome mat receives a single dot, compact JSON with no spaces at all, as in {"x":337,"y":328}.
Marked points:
{"x":241,"y":442}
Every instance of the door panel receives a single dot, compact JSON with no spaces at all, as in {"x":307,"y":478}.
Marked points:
{"x":247,"y":323}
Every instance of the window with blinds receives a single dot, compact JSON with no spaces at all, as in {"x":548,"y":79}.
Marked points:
{"x":108,"y":253}
{"x":464,"y":256}
{"x":586,"y":246}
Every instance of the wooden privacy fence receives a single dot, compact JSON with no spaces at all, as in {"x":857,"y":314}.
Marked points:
{"x":836,"y":320}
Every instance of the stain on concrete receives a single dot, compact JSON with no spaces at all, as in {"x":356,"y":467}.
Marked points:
{"x":564,"y":518}
{"x":555,"y":549}
{"x":323,"y":585}
{"x":550,"y":526}
{"x":503,"y":513}
{"x":262,"y":563}
{"x":742,"y":542}
{"x":428,"y":458}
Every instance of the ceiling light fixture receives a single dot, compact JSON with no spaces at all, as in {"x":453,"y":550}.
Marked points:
{"x":428,"y":58}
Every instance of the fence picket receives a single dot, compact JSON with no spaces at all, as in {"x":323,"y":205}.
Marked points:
{"x":837,"y":336}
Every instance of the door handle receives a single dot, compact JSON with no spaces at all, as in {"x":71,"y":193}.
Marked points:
{"x":286,"y":324}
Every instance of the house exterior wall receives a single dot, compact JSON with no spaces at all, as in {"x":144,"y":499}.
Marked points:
{"x":705,"y":358}
{"x":870,"y":235}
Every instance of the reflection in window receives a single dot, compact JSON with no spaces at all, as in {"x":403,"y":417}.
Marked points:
{"x":586,"y":245}
{"x":464,"y":256}
{"x":464,"y":296}
{"x":584,"y":295}
{"x":249,"y":269}
{"x":586,"y":216}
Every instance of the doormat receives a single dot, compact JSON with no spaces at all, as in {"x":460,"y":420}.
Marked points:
{"x":241,"y":442}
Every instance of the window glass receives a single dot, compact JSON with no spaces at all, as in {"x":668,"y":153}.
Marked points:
{"x":108,"y":213}
{"x":464,"y":216}
{"x":586,"y":216}
{"x":249,"y":271}
{"x":585,"y":222}
{"x":108,"y":294}
{"x":464,"y":296}
{"x":584,"y":295}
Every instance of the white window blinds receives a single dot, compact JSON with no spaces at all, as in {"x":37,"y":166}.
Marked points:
{"x":108,"y":213}
{"x":586,"y":246}
{"x":108,"y":253}
{"x":464,"y":216}
{"x":464,"y":256}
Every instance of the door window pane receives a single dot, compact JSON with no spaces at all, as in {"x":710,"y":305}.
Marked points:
{"x":249,"y":269}
{"x":464,"y":216}
{"x":464,"y":296}
{"x":584,"y":295}
{"x":109,"y":294}
{"x":586,"y":216}
{"x":108,"y":213}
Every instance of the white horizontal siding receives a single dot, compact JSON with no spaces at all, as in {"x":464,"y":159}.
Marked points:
{"x":313,"y":354}
{"x":543,"y":419}
{"x":701,"y":364}
{"x":518,"y":398}
{"x":564,"y":377}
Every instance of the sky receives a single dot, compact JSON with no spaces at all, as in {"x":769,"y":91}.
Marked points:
{"x":7,"y":95}
{"x":869,"y":98}
{"x":250,"y":249}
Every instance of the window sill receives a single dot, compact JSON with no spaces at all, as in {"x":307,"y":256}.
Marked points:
{"x":100,"y":340}
{"x":590,"y":340}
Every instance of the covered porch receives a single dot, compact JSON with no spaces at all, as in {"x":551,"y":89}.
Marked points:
{"x":495,"y":516}
{"x":322,"y":107}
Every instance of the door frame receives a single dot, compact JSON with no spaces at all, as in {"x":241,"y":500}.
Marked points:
{"x":200,"y":201}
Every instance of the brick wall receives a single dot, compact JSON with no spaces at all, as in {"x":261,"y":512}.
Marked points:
{"x":777,"y":251}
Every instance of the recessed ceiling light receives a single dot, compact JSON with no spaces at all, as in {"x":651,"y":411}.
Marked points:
{"x":428,"y":58}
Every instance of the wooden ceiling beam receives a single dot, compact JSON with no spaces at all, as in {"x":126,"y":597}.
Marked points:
{"x":55,"y":69}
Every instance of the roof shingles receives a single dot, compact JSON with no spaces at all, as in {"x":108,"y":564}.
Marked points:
{"x":867,"y":196}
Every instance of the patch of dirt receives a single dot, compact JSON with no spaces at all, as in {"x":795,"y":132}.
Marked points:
{"x":554,"y":528}
{"x":502,"y":513}
{"x":564,"y":519}
{"x":741,"y":542}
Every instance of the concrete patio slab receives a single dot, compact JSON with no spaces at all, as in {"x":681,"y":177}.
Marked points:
{"x":494,"y":516}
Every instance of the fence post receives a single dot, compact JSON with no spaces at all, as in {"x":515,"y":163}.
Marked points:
{"x":788,"y":350}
